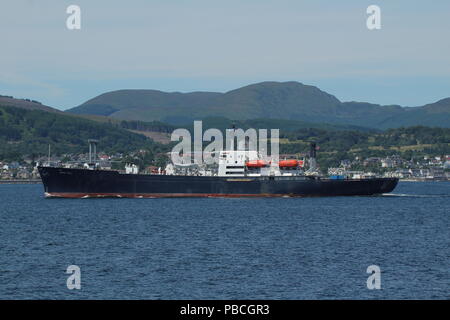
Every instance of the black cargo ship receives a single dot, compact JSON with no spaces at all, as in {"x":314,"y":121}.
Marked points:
{"x":85,"y":183}
{"x":239,"y":174}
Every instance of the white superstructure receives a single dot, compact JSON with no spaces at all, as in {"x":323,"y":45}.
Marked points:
{"x":232,"y":163}
{"x":239,"y":163}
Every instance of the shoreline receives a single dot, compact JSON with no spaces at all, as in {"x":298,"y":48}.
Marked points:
{"x":423,"y":180}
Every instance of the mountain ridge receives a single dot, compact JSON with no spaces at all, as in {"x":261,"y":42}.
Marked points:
{"x":269,"y":99}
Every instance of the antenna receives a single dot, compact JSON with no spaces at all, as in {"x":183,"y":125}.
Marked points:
{"x":49,"y":150}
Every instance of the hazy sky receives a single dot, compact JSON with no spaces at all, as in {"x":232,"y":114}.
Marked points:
{"x":221,"y":45}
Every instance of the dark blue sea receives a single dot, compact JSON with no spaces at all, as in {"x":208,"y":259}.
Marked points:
{"x":269,"y":248}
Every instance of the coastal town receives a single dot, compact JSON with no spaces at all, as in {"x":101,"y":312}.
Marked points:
{"x":425,"y":169}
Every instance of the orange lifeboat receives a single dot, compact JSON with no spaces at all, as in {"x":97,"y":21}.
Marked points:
{"x":289,"y":163}
{"x":256,"y":164}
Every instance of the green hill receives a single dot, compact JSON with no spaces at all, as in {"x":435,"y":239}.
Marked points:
{"x":29,"y":132}
{"x":27,"y":104}
{"x":266,"y":100}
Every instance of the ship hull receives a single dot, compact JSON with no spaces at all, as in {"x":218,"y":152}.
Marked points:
{"x":84,"y":183}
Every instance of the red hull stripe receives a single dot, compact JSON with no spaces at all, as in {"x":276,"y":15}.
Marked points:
{"x":155,"y":195}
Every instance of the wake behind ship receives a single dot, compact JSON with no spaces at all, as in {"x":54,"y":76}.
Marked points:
{"x":239,"y":174}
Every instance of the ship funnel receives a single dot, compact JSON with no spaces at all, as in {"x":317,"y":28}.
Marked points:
{"x":312,"y":150}
{"x":312,"y":156}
